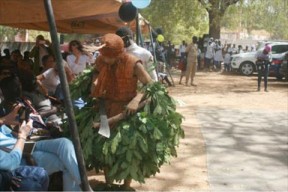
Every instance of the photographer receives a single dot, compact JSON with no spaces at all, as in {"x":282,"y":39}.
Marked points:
{"x":53,"y":155}
{"x":12,"y":175}
{"x":41,"y":48}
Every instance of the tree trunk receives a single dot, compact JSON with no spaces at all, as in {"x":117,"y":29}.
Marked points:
{"x":214,"y":24}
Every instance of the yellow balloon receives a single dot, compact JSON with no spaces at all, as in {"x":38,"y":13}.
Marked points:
{"x":160,"y":38}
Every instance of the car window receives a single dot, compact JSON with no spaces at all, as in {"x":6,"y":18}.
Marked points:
{"x":276,"y":49}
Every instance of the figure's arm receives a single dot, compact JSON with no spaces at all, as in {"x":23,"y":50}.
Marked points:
{"x":142,"y":74}
{"x":144,"y":78}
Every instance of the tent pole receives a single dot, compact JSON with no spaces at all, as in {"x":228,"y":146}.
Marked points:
{"x":137,"y":28}
{"x":67,"y":99}
{"x":153,"y":48}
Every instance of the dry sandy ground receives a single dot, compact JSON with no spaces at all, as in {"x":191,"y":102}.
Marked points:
{"x":188,"y":172}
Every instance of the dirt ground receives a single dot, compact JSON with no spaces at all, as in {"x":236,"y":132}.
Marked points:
{"x":188,"y":172}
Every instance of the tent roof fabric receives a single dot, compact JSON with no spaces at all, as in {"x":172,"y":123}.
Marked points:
{"x":72,"y":16}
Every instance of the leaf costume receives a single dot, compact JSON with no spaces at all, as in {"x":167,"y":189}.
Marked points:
{"x":140,"y":144}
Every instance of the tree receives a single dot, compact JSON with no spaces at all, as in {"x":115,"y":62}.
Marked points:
{"x":270,"y":16}
{"x":216,"y":10}
{"x":179,"y":19}
{"x":7,"y":33}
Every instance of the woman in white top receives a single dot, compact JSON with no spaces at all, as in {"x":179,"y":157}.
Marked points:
{"x":49,"y":79}
{"x":78,"y":59}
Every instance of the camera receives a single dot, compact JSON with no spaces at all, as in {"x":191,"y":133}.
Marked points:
{"x":23,"y":112}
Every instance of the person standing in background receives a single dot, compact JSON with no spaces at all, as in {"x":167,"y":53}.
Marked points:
{"x":143,"y":54}
{"x":263,"y":62}
{"x":209,"y":54}
{"x":192,"y":53}
{"x":227,"y":62}
{"x":78,"y":59}
{"x":42,"y":48}
{"x":218,"y":57}
{"x":182,"y":49}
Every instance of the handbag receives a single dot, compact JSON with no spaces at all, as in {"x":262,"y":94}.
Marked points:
{"x":32,"y":179}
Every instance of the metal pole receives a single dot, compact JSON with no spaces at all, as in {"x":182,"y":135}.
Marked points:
{"x":152,"y":43}
{"x":67,"y":98}
{"x":137,"y":28}
{"x":153,"y":48}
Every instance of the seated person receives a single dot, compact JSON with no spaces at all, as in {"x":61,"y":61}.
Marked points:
{"x":39,"y":101}
{"x":49,"y":80}
{"x":53,"y":155}
{"x":13,"y":176}
{"x":33,"y":101}
{"x":164,"y":77}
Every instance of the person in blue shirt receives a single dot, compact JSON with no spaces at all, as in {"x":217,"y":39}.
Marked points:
{"x":53,"y":154}
{"x":13,"y":176}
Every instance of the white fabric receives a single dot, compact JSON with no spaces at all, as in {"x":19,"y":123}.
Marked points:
{"x":145,"y":56}
{"x":78,"y":68}
{"x":227,"y":58}
{"x":218,"y":53}
{"x":210,"y":51}
{"x":182,"y":48}
{"x":51,"y":80}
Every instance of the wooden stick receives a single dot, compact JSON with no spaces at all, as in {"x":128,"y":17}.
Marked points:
{"x":120,"y":116}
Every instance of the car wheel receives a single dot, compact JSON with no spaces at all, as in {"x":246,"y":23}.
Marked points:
{"x":246,"y":68}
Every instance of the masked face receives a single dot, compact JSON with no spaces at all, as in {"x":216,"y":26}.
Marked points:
{"x":109,"y":60}
{"x":114,"y":46}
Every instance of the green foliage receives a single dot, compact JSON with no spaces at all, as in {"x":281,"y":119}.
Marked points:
{"x":257,"y":15}
{"x":7,"y":33}
{"x":139,"y":145}
{"x":180,"y":20}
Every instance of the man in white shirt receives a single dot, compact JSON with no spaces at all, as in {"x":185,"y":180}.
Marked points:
{"x":209,"y":54}
{"x":182,"y":50}
{"x":131,"y":47}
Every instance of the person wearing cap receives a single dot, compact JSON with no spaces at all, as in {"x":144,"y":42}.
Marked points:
{"x":116,"y":74}
{"x":131,"y":47}
{"x":263,"y":63}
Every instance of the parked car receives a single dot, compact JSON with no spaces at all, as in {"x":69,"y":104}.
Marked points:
{"x":245,"y":62}
{"x":284,"y":67}
{"x":276,"y":66}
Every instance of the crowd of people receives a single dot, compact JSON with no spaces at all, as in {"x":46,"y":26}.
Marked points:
{"x":33,"y":79}
{"x":33,"y":82}
{"x":211,"y":53}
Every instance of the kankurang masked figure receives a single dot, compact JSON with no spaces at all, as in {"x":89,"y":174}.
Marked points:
{"x":145,"y":128}
{"x":117,"y":74}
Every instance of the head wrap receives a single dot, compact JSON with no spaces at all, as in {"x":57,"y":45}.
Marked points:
{"x":114,"y":46}
{"x":267,"y":49}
